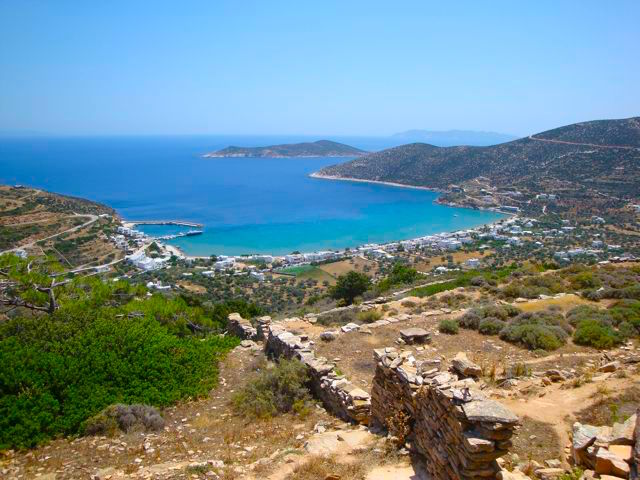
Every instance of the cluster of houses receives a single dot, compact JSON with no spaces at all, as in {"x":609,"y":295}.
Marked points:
{"x":125,"y":236}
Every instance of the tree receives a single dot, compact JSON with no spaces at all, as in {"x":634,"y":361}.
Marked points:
{"x":29,"y":284}
{"x":349,"y":286}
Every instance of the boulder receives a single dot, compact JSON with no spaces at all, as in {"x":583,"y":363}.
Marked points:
{"x":609,"y":367}
{"x":464,"y":366}
{"x":622,"y":433}
{"x":583,"y":438}
{"x":608,"y":463}
{"x":623,"y":451}
{"x":328,"y":336}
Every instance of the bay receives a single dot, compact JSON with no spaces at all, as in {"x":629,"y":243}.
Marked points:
{"x":248,"y":205}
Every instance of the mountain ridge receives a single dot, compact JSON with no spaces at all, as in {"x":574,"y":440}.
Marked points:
{"x":603,"y":155}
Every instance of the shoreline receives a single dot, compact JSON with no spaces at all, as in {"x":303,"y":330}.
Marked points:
{"x":176,"y":248}
{"x":378,"y":182}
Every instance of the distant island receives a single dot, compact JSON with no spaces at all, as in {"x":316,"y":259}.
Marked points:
{"x":321,"y":148}
{"x":454,"y":137}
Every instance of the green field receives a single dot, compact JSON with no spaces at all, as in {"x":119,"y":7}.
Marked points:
{"x":307,"y":271}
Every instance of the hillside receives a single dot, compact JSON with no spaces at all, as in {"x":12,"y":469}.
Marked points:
{"x":602,"y":155}
{"x":73,"y":230}
{"x":321,"y":148}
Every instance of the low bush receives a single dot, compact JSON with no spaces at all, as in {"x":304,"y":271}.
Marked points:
{"x":597,"y":334}
{"x":491,"y":326}
{"x":470,"y":320}
{"x":124,"y":418}
{"x":448,"y":326}
{"x":369,"y":316}
{"x":276,"y":390}
{"x":533,"y":336}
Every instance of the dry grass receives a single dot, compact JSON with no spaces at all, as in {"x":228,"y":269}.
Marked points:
{"x":610,"y":407}
{"x":336,"y":269}
{"x":536,"y":441}
{"x":322,"y":468}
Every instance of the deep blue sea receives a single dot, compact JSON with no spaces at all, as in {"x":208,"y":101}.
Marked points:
{"x":247,"y":205}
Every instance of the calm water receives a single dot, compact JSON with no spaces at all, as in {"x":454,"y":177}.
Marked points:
{"x":247,"y":205}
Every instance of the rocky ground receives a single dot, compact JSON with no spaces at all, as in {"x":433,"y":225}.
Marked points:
{"x":206,"y":439}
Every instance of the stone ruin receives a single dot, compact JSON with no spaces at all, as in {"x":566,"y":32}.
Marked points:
{"x":241,"y":328}
{"x":453,"y":426}
{"x":338,"y":394}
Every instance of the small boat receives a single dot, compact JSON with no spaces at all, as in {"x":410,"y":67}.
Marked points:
{"x":455,"y":214}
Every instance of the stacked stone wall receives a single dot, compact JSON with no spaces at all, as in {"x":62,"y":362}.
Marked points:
{"x":451,"y":424}
{"x":338,"y":395}
{"x":241,"y":328}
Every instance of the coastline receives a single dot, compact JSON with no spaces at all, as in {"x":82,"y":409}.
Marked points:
{"x":177,"y":250}
{"x":379,"y":182}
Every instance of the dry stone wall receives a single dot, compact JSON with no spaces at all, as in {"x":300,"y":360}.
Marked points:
{"x":338,"y":394}
{"x":459,"y":432}
{"x":241,"y":328}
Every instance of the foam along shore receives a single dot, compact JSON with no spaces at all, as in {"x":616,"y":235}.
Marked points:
{"x":379,"y":182}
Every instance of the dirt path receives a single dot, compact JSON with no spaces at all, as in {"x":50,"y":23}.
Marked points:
{"x":92,"y":219}
{"x":558,"y":407}
{"x":625,"y":147}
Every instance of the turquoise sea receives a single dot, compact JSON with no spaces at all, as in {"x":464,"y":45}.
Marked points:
{"x":250,"y":205}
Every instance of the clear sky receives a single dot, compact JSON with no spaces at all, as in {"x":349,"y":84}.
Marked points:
{"x":322,"y":67}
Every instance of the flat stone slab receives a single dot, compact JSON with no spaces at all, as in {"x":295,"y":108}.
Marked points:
{"x":415,"y":335}
{"x":488,"y":411}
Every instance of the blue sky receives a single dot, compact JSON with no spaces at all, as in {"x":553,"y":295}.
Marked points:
{"x":341,"y":68}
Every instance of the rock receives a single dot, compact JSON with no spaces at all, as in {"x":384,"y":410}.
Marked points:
{"x":583,"y":438}
{"x":349,"y":327}
{"x":359,"y":394}
{"x":549,"y":473}
{"x":609,"y":367}
{"x":488,"y":411}
{"x":464,"y":366}
{"x":608,"y":463}
{"x":622,"y":433}
{"x":555,"y":375}
{"x":415,"y":336}
{"x":328,"y":336}
{"x":553,"y":463}
{"x":623,"y":451}
{"x":515,"y":475}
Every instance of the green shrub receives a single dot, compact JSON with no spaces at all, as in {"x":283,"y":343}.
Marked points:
{"x":68,"y":366}
{"x":448,"y":326}
{"x":369,"y":316}
{"x":491,"y":326}
{"x":124,"y":418}
{"x":533,"y":336}
{"x":594,"y":333}
{"x":277,"y":390}
{"x":470,"y":320}
{"x":349,"y":286}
